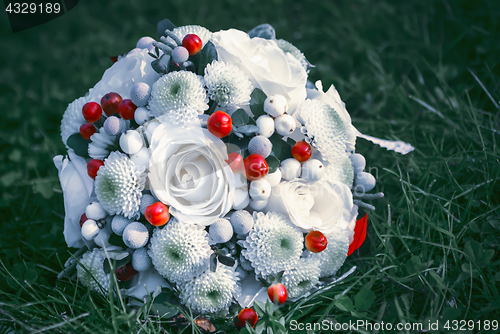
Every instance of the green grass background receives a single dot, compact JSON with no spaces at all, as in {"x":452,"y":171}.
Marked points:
{"x":426,"y":72}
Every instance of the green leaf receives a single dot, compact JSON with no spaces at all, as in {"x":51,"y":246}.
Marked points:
{"x":344,"y":303}
{"x":10,"y":178}
{"x":117,"y":263}
{"x":248,"y":129}
{"x":281,"y":149}
{"x":477,"y":254}
{"x":226,"y":260}
{"x":364,"y":299}
{"x":273,"y":163}
{"x":213,"y":262}
{"x":264,"y":282}
{"x":467,"y":268}
{"x":280,"y":274}
{"x":79,"y":145}
{"x":165,"y":305}
{"x":117,"y":240}
{"x":162,"y":26}
{"x":208,"y":54}
{"x":239,"y":118}
{"x":257,"y":99}
{"x":44,"y":187}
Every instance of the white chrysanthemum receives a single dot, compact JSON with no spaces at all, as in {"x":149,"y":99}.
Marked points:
{"x":178,"y":97}
{"x":340,"y":171}
{"x":294,"y":51}
{"x":227,"y":84}
{"x":90,"y":271}
{"x":180,"y":251}
{"x":73,"y":118}
{"x":301,"y":279}
{"x":335,"y":253}
{"x":323,"y":128}
{"x":273,"y":245}
{"x":211,"y":292}
{"x":119,"y":184}
{"x":101,"y":145}
{"x":203,"y":33}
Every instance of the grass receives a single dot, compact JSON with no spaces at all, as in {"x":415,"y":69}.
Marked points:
{"x":425,"y":72}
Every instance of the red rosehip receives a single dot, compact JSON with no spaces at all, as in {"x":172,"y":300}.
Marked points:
{"x":247,"y":315}
{"x":277,"y":293}
{"x":125,"y":273}
{"x":110,"y":102}
{"x":192,"y":43}
{"x":126,"y":109}
{"x":87,"y":130}
{"x":92,"y":112}
{"x":301,"y":151}
{"x":235,"y":161}
{"x":220,"y":124}
{"x":93,"y":166}
{"x":255,"y":167}
{"x":316,"y":241}
{"x":157,"y":214}
{"x":83,"y":219}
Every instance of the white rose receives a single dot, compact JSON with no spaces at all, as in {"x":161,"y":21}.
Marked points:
{"x":126,"y":72}
{"x":267,"y":66}
{"x":77,"y":187}
{"x":332,"y":98}
{"x":188,"y":171}
{"x":317,"y":206}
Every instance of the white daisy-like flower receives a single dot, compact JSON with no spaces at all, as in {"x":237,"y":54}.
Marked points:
{"x":180,"y":251}
{"x":73,"y":118}
{"x":119,"y":184}
{"x":178,"y":97}
{"x":294,"y":51}
{"x":90,"y":271}
{"x":203,"y":33}
{"x":211,"y":292}
{"x":101,"y":145}
{"x":335,"y":253}
{"x":227,"y":84}
{"x":323,"y":128}
{"x":273,"y":245}
{"x":303,"y":278}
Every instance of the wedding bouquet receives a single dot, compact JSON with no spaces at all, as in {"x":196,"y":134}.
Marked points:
{"x":205,"y":165}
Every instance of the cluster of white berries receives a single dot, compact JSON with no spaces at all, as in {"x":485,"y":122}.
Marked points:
{"x":276,"y":119}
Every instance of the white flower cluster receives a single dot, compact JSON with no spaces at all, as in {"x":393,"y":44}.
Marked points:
{"x":166,"y":181}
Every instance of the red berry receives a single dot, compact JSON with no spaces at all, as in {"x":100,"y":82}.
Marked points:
{"x":235,"y":161}
{"x":277,"y":293}
{"x":247,"y":315}
{"x":157,"y":214}
{"x":126,"y":109}
{"x":192,"y":43}
{"x":219,"y":124}
{"x":83,"y":219}
{"x":301,"y":151}
{"x":93,"y":166}
{"x":92,"y":112}
{"x":87,"y":130}
{"x":125,"y":273}
{"x":255,"y":167}
{"x":316,"y":241}
{"x":109,"y":103}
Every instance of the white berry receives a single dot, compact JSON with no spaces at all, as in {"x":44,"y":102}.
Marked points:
{"x":240,"y":198}
{"x":131,"y":142}
{"x":90,"y":230}
{"x":358,"y":163}
{"x":144,"y":42}
{"x":221,"y":231}
{"x":141,"y":115}
{"x":312,"y":170}
{"x":260,"y":145}
{"x":260,"y":189}
{"x":273,"y":178}
{"x":275,"y":105}
{"x":141,"y":158}
{"x":135,"y":235}
{"x":119,"y":223}
{"x":258,"y":205}
{"x":180,"y":55}
{"x":284,"y":125}
{"x":113,"y":125}
{"x":364,"y":182}
{"x":95,"y":211}
{"x":290,"y":169}
{"x":141,"y":260}
{"x":146,"y":200}
{"x":266,"y":126}
{"x":139,"y":94}
{"x":242,"y":221}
